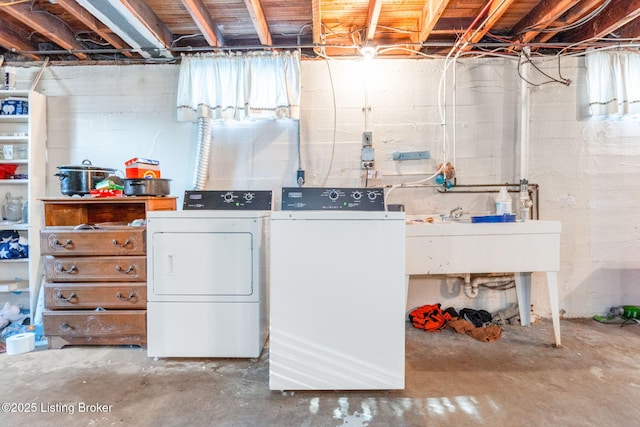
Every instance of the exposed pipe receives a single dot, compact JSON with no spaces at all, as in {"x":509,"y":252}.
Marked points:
{"x":458,"y":50}
{"x":619,"y":43}
{"x":532,"y":194}
{"x":525,"y":92}
{"x":472,"y":286}
{"x":203,"y":154}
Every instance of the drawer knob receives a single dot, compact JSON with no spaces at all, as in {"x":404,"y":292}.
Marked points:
{"x":55,"y":243}
{"x":61,"y":297}
{"x":60,"y":268}
{"x":131,"y":269}
{"x":66,"y":327}
{"x":121,"y":245}
{"x":131,"y":296}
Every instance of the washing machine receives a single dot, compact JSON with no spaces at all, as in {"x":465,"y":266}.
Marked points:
{"x":337,"y":291}
{"x":208,"y":276}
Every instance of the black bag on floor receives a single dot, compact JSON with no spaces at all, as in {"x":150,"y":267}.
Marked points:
{"x":479,"y":318}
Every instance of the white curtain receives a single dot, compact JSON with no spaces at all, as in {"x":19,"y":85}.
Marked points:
{"x":239,"y":86}
{"x":613,"y":81}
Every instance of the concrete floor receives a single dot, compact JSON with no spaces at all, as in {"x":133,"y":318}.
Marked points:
{"x":451,"y":379}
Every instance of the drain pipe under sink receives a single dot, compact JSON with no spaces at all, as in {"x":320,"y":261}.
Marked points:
{"x":472,"y":286}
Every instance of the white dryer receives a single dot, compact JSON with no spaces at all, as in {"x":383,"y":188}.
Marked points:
{"x":208,"y":276}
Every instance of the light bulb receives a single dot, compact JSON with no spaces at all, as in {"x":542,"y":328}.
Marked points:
{"x":368,"y":52}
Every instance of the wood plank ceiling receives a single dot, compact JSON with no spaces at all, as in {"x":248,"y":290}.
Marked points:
{"x":94,"y":31}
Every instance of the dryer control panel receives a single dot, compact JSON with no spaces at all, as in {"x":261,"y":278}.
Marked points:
{"x":227,"y":200}
{"x":314,"y":198}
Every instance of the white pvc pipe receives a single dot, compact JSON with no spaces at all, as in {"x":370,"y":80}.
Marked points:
{"x":472,"y":287}
{"x":525,"y":92}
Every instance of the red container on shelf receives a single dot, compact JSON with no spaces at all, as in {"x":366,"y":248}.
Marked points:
{"x":7,"y":170}
{"x":142,"y":168}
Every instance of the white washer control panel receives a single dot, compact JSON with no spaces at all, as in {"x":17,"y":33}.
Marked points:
{"x":317,"y":198}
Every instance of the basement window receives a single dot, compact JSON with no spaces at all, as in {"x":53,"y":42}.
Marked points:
{"x":239,"y":86}
{"x":613,"y":83}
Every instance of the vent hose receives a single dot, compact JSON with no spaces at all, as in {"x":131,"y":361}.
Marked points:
{"x":201,"y":172}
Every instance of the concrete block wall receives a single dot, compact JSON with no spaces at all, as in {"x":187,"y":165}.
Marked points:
{"x":587,"y":170}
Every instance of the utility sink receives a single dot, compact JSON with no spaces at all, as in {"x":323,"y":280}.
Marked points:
{"x":445,"y":247}
{"x":454,"y":247}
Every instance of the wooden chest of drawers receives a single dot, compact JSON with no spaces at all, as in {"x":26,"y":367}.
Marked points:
{"x":95,"y":274}
{"x":71,"y":296}
{"x":92,"y":268}
{"x":95,"y":327}
{"x":111,"y":240}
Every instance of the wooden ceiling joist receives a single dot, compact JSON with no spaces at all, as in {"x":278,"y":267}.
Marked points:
{"x":495,"y":12}
{"x":613,"y":17}
{"x":259,"y":21}
{"x":149,"y":28}
{"x":373,"y":14}
{"x":143,"y":13}
{"x":82,"y":15}
{"x":15,"y":39}
{"x":630,"y":31}
{"x":201,"y":16}
{"x":47,"y":25}
{"x":540,"y":17}
{"x":574,"y":14}
{"x":316,"y":22}
{"x":431,"y":12}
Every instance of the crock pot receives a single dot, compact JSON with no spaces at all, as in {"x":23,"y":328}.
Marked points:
{"x":81,"y":179}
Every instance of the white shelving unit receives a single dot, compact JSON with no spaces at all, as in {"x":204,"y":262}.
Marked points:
{"x":20,"y":279}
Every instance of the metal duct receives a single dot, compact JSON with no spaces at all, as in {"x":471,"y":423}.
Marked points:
{"x":126,"y":24}
{"x":201,"y":172}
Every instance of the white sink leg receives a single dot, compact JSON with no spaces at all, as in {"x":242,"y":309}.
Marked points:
{"x":523,"y":293}
{"x":552,"y":281}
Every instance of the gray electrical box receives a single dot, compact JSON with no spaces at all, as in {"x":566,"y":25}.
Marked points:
{"x":367,"y":154}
